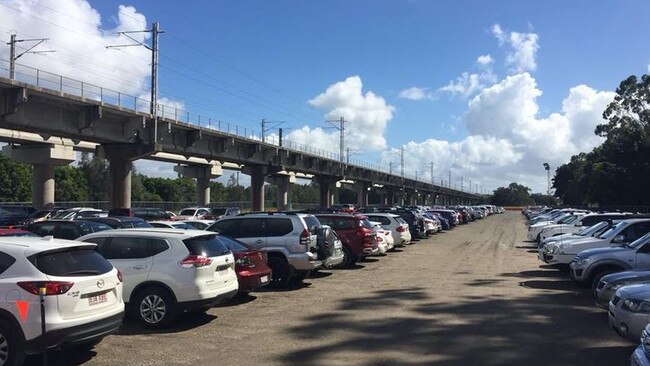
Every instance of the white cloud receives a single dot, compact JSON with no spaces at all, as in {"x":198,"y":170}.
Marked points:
{"x":484,"y":60}
{"x":366,"y":117}
{"x":522,"y":48}
{"x":76,"y":32}
{"x":416,"y":93}
{"x":464,"y":85}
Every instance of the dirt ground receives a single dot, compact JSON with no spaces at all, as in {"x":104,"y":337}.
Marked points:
{"x":476,"y":295}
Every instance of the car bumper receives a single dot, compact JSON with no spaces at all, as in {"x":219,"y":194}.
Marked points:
{"x":627,"y":325}
{"x":198,"y":304}
{"x":335,"y":259}
{"x":304,"y":262}
{"x":252,"y":281}
{"x":639,"y":358}
{"x":602,"y":298}
{"x":79,"y":334}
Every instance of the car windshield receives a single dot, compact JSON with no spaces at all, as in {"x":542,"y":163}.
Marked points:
{"x":187,"y":212}
{"x":640,"y":241}
{"x":206,"y":245}
{"x":589,"y":231}
{"x":218,"y":211}
{"x":232,"y":244}
{"x":64,"y":215}
{"x":567,"y":220}
{"x":611,"y":231}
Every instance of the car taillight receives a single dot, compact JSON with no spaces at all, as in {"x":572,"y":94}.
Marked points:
{"x":305,"y":237}
{"x":119,"y":276}
{"x":51,"y":287}
{"x":400,"y":229}
{"x":195,"y":261}
{"x":245,"y":261}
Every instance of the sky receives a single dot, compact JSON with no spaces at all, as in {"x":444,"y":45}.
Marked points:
{"x":486,"y":90}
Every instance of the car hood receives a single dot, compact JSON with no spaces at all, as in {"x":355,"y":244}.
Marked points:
{"x":606,"y":251}
{"x":639,"y":292}
{"x":627,"y":276}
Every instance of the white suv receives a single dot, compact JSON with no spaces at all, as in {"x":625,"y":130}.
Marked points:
{"x":168,"y":271}
{"x":83,"y":296}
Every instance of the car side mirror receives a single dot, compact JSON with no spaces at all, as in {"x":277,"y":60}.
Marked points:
{"x":618,"y":239}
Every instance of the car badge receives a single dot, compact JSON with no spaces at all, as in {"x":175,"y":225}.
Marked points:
{"x":100,"y":283}
{"x":227,"y":259}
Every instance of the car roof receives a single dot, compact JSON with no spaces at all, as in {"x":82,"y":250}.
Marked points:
{"x":181,"y":234}
{"x":385,"y":214}
{"x":33,"y":245}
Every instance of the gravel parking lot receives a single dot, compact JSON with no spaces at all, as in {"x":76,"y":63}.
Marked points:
{"x":475,"y":295}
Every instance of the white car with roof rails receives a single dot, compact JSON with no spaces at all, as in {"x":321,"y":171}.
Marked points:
{"x":582,"y":221}
{"x":168,"y":271}
{"x":193,"y":213}
{"x":398,"y":227}
{"x":82,"y":296}
{"x":549,"y":247}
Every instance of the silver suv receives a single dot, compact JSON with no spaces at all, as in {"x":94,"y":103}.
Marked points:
{"x":290,"y":240}
{"x":591,"y":265}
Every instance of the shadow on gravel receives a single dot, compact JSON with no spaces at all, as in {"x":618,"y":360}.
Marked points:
{"x":77,"y":357}
{"x":293,"y":286}
{"x":368,"y":260}
{"x":183,"y":322}
{"x":319,"y":274}
{"x":239,"y":299}
{"x":527,"y":247}
{"x":557,"y":327}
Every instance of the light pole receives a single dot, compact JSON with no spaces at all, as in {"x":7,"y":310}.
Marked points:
{"x":548,"y":178}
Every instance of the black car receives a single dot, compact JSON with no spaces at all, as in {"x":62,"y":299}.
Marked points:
{"x":119,"y":222}
{"x":14,"y":215}
{"x":66,"y":229}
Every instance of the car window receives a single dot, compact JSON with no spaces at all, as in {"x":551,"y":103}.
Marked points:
{"x":124,"y":247}
{"x":5,"y":261}
{"x":206,"y":245}
{"x":312,"y":223}
{"x":218,"y":211}
{"x":71,"y":262}
{"x":98,"y":240}
{"x":68,"y":231}
{"x":277,"y":226}
{"x":232,"y":244}
{"x":197,"y":225}
{"x":251,"y":228}
{"x":226,"y":227}
{"x":635,"y":231}
{"x":381,"y":219}
{"x":187,"y":212}
{"x":158,"y":246}
{"x":88,"y":227}
{"x":159,"y":225}
{"x":182,"y":225}
{"x":610,"y":232}
{"x":136,"y":224}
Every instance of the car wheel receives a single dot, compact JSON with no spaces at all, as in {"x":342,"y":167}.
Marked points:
{"x":154,"y":308}
{"x":280,"y":272}
{"x":349,"y":259}
{"x":539,"y":238}
{"x":11,"y":349}
{"x":596,"y":278}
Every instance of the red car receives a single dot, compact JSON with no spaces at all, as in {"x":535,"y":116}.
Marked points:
{"x":356,"y":233}
{"x":16,"y":232}
{"x":250,"y":265}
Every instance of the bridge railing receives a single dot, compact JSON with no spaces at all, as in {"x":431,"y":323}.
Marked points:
{"x":73,"y":87}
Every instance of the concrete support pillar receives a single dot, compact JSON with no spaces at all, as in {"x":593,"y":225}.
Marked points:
{"x":120,"y":158}
{"x":362,"y":193}
{"x":282,"y":180}
{"x":43,"y":158}
{"x":203,"y":174}
{"x":326,"y":191}
{"x":257,"y":187}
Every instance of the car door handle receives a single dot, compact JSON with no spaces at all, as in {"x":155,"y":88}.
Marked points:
{"x":139,"y":267}
{"x":259,"y":241}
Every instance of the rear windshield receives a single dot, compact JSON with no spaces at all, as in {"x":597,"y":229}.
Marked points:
{"x":365,"y":223}
{"x":400,"y":221}
{"x":232,"y":244}
{"x":187,"y":212}
{"x":206,"y":245}
{"x":312,"y":223}
{"x":71,"y":262}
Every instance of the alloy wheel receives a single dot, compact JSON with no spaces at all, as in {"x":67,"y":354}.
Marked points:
{"x":4,"y":350}
{"x":152,"y":309}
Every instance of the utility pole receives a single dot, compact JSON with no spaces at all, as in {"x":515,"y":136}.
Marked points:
{"x":449,"y":178}
{"x":12,"y":52}
{"x":263,"y":129}
{"x":470,"y":186}
{"x":341,"y":128}
{"x":154,"y":48}
{"x":461,"y":183}
{"x":390,"y":167}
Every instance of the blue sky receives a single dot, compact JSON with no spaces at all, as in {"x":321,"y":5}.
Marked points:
{"x":268,"y":59}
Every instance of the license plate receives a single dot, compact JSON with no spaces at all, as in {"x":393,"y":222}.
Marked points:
{"x":97,"y":299}
{"x":264,"y":279}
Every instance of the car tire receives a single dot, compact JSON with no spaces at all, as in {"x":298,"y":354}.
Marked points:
{"x":539,"y":238}
{"x":11,"y":345}
{"x":600,"y":274}
{"x":280,"y":272}
{"x":349,"y":259}
{"x":154,"y":307}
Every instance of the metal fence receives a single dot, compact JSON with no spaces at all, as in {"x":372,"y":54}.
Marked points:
{"x":167,"y":206}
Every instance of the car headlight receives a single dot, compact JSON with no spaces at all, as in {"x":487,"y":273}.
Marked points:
{"x":555,"y":249}
{"x":561,"y":249}
{"x":637,"y":306}
{"x":583,"y":261}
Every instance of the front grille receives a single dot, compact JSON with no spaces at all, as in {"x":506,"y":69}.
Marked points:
{"x":601,"y":284}
{"x":645,"y":343}
{"x":615,"y":300}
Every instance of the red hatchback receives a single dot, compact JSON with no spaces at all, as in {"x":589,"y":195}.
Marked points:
{"x":250,"y":265}
{"x":356,"y":233}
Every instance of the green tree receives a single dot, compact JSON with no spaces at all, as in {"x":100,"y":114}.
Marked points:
{"x":15,"y":181}
{"x":96,"y":172}
{"x":71,"y":184}
{"x":512,"y":195}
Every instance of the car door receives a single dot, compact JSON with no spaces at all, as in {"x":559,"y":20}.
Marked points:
{"x":252,"y":232}
{"x":130,"y":255}
{"x":633,"y":232}
{"x":643,"y":256}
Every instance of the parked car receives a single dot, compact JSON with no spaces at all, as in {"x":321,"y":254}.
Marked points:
{"x":343,"y":207}
{"x":330,"y":248}
{"x":40,"y":215}
{"x":385,"y":241}
{"x":250,"y":265}
{"x":78,"y":212}
{"x":219,"y":212}
{"x":16,"y":232}
{"x":582,"y":221}
{"x":608,"y":285}
{"x":629,"y":311}
{"x":172,"y":225}
{"x":168,"y":271}
{"x":641,"y":355}
{"x":14,"y":215}
{"x":620,"y":234}
{"x":119,"y":222}
{"x":356,"y":233}
{"x":591,"y":265}
{"x":288,"y":238}
{"x":145,"y":213}
{"x":83,"y":296}
{"x":198,"y":224}
{"x":394,"y":223}
{"x":64,"y":229}
{"x":193,"y":213}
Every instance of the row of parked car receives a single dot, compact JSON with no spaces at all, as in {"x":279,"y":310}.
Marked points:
{"x":609,"y":252}
{"x":120,"y":265}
